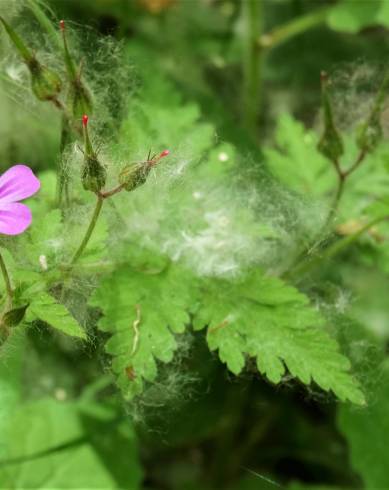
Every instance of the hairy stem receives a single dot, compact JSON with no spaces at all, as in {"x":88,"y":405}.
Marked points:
{"x":90,"y":229}
{"x":7,"y":282}
{"x":356,"y":164}
{"x":342,"y":177}
{"x":292,"y":28}
{"x":112,"y":192}
{"x":333,"y":250}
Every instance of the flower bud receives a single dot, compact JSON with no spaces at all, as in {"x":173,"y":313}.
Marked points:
{"x":13,"y":317}
{"x":79,"y":97}
{"x":370,"y":132}
{"x":330,"y":144}
{"x":93,"y":175}
{"x":135,"y":174}
{"x":45,"y":83}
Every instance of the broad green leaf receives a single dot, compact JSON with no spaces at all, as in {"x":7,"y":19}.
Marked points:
{"x":49,"y":446}
{"x":353,"y":15}
{"x":367,"y":432}
{"x":262,"y":317}
{"x":45,"y":308}
{"x":142,"y":312}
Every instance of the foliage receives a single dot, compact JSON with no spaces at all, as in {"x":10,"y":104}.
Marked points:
{"x":218,"y":320}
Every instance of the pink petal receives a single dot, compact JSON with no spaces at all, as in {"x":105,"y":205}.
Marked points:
{"x":17,"y":183}
{"x":14,"y":218}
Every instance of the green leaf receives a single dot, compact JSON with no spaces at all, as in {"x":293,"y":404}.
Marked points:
{"x":367,"y":432}
{"x":49,"y":446}
{"x":353,"y":15}
{"x":45,"y":308}
{"x":296,"y":161}
{"x":142,"y":312}
{"x":262,"y":317}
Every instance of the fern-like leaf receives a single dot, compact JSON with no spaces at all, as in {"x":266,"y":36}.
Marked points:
{"x":142,"y":312}
{"x":262,"y":317}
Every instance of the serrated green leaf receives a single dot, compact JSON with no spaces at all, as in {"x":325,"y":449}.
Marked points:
{"x":142,"y":312}
{"x":296,"y":162}
{"x":262,"y":317}
{"x":45,"y":308}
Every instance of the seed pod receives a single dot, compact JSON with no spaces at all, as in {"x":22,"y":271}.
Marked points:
{"x":330,"y":144}
{"x":135,"y":174}
{"x":45,"y":83}
{"x":93,"y":175}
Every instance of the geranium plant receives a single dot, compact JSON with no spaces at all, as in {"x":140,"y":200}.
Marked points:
{"x":139,"y":271}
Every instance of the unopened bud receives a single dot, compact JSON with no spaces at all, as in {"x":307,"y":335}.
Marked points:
{"x":12,"y":318}
{"x":135,"y":174}
{"x":330,"y":144}
{"x":45,"y":83}
{"x":93,"y":175}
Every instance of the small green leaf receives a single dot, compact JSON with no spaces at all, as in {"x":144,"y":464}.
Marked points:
{"x":45,"y":308}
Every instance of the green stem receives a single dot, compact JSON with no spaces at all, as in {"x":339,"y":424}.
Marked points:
{"x":90,"y":229}
{"x":252,"y":61}
{"x":335,"y":249}
{"x":7,"y":282}
{"x":291,"y":29}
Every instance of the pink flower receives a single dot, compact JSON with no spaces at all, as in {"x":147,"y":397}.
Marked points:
{"x":17,"y":183}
